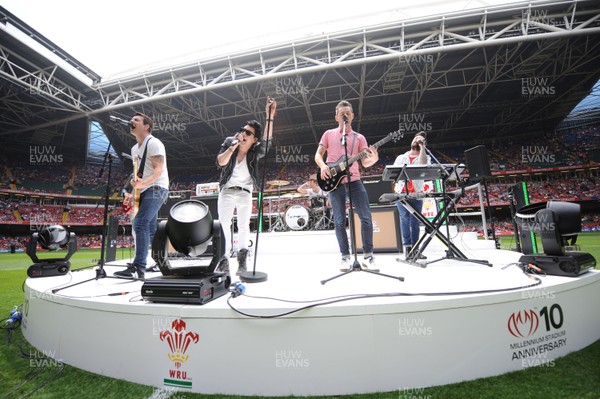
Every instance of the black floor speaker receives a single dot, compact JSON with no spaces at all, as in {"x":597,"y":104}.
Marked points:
{"x":477,"y":162}
{"x":386,"y":230}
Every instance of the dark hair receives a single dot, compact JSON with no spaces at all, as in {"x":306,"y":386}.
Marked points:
{"x":257,"y":128}
{"x":422,"y":134}
{"x":147,"y":120}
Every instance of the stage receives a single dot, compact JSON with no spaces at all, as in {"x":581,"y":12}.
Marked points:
{"x":447,"y":322}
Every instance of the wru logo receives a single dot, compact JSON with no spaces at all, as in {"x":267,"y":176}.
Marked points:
{"x":179,"y":341}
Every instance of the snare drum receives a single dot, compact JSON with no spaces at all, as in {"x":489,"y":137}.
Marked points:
{"x":296,"y":217}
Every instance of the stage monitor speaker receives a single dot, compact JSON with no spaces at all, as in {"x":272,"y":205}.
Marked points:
{"x":376,"y":187}
{"x":111,"y":239}
{"x":386,"y":229}
{"x":477,"y":162}
{"x":521,"y":195}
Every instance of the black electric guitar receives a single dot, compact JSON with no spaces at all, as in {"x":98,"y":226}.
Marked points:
{"x":338,"y":169}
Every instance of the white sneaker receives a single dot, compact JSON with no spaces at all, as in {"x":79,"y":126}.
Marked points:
{"x":346,"y":264}
{"x":369,"y":264}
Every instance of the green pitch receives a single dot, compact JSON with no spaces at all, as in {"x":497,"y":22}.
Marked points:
{"x":574,"y":376}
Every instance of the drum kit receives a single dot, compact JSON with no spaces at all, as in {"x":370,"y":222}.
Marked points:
{"x":297,"y":217}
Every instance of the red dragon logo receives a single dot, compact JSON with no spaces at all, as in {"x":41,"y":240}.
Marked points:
{"x":523,"y":324}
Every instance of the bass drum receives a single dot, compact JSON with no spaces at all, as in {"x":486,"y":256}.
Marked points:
{"x":296,"y":217}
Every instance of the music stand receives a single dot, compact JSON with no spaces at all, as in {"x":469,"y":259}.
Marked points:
{"x":430,"y":172}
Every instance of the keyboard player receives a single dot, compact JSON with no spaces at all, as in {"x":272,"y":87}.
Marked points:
{"x":409,"y":225}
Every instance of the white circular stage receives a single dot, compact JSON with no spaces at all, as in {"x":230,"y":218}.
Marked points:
{"x":448,"y":322}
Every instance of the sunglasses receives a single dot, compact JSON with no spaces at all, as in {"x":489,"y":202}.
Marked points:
{"x":248,"y":132}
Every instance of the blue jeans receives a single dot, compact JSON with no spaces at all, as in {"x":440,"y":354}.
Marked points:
{"x":145,"y":222}
{"x":360,"y":202}
{"x":408,"y":223}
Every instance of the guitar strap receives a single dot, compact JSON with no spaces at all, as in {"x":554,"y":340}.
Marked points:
{"x":143,"y":162}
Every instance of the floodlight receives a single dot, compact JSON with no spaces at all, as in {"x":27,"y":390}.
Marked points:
{"x":187,"y":248}
{"x":52,"y":238}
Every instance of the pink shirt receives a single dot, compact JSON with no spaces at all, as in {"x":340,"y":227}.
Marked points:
{"x":332,"y":142}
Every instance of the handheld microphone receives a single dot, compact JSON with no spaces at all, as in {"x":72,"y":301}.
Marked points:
{"x":120,"y":121}
{"x":234,"y":142}
{"x":125,"y":155}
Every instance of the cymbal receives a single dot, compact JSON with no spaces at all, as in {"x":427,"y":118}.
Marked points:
{"x":278,"y":183}
{"x":291,"y":195}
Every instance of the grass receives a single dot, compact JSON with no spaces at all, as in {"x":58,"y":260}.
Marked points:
{"x":574,"y":376}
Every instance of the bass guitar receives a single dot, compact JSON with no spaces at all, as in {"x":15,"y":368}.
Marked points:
{"x":337,"y":169}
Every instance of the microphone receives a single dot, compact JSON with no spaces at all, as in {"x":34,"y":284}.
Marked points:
{"x":120,"y":121}
{"x":234,"y":142}
{"x":125,"y":155}
{"x":345,"y":118}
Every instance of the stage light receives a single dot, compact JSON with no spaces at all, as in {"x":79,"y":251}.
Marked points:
{"x":558,"y":224}
{"x":52,"y":238}
{"x":190,"y":227}
{"x":187,"y":248}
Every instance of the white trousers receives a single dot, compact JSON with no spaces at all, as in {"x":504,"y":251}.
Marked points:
{"x":241,"y":201}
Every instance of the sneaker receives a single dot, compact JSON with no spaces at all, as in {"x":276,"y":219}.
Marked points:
{"x":369,"y":264}
{"x":241,"y":258}
{"x":346,"y":264}
{"x":132,"y":272}
{"x":223,"y":265}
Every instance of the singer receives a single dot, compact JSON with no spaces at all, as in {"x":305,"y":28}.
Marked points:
{"x":332,"y":144}
{"x":238,"y":161}
{"x":152,"y":181}
{"x":409,"y":225}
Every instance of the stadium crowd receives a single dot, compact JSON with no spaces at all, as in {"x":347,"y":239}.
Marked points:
{"x":551,"y":167}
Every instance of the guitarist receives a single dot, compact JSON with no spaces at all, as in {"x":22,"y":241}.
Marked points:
{"x":152,"y":181}
{"x":331,"y":143}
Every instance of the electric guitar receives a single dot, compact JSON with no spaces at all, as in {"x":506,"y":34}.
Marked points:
{"x":338,"y":169}
{"x":131,"y":207}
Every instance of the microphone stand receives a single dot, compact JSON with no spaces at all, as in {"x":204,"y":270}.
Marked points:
{"x":254,"y":276}
{"x":100,"y":272}
{"x":445,"y":176}
{"x":355,"y":265}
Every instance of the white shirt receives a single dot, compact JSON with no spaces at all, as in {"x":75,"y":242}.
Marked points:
{"x":240,"y":176}
{"x":155,"y":147}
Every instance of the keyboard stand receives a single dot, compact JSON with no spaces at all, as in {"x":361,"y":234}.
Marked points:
{"x":430,"y":172}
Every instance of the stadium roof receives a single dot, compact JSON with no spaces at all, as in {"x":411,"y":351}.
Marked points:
{"x":467,"y":76}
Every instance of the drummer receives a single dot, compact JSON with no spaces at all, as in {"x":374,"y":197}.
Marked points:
{"x":314,"y":192}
